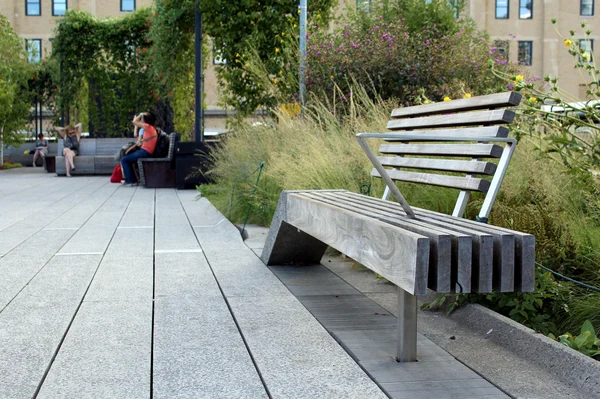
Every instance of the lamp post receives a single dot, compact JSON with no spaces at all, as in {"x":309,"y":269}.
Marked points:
{"x":199,"y":121}
{"x":303,"y":10}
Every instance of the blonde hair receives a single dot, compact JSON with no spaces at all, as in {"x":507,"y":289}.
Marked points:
{"x":70,"y":129}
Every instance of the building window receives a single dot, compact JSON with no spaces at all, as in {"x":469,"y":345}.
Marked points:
{"x":586,"y":8}
{"x":501,"y":9}
{"x":525,"y":9}
{"x":59,"y":7}
{"x":587,"y":48}
{"x":127,"y":5}
{"x":33,"y":8}
{"x":525,"y":52}
{"x":502,"y":48}
{"x":34,"y":50}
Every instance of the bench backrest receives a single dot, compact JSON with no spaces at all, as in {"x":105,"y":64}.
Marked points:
{"x":459,"y":136}
{"x":87,"y":146}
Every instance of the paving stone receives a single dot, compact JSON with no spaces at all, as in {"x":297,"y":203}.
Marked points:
{"x":198,"y":351}
{"x":295,"y":354}
{"x":106,"y":353}
{"x":184,"y":275}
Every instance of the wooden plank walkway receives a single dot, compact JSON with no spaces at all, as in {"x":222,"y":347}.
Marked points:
{"x":122,"y":292}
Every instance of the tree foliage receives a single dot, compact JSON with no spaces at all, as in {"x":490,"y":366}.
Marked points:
{"x":237,"y":27}
{"x":14,"y":94}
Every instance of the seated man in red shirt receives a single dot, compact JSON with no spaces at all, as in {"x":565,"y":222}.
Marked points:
{"x":147,"y":121}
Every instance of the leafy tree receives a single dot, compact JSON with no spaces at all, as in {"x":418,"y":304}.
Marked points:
{"x":237,"y":28}
{"x":14,"y":95}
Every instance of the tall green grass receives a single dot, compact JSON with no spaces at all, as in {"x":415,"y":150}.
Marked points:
{"x":318,"y":150}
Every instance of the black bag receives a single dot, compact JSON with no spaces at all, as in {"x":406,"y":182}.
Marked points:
{"x":123,"y":151}
{"x":162,"y":145}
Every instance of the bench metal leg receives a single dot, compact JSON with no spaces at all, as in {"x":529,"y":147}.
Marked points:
{"x":407,"y":327}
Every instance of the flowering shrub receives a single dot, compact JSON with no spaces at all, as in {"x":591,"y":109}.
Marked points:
{"x":393,"y":62}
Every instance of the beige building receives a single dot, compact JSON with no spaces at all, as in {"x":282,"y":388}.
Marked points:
{"x":524,"y":29}
{"x":521,"y":27}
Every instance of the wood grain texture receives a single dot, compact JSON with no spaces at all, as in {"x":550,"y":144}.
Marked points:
{"x":482,"y":243}
{"x":515,"y":263}
{"x":491,"y":101}
{"x":448,"y":165}
{"x":483,"y":132}
{"x":444,"y":150}
{"x":484,"y":118}
{"x":399,"y":255}
{"x":449,"y":264}
{"x":461,"y":183}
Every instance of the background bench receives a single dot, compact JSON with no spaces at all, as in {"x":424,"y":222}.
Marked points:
{"x":413,"y":248}
{"x":96,"y":156}
{"x":16,"y":154}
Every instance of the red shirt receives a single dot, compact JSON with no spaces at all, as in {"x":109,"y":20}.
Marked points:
{"x":149,"y":145}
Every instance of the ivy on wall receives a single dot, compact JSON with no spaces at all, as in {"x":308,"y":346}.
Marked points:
{"x":102,"y":68}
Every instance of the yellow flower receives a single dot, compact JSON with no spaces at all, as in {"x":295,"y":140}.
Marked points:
{"x":467,"y":95}
{"x":282,"y":34}
{"x":281,"y":72}
{"x":330,"y":76}
{"x":275,"y":80}
{"x":280,"y":41}
{"x":533,"y":100}
{"x":447,"y":98}
{"x":276,"y":49}
{"x":318,"y":16}
{"x":586,"y":57}
{"x":237,"y":54}
{"x":426,"y":102}
{"x":568,"y":43}
{"x":246,"y":65}
{"x":299,"y":11}
{"x":295,"y":25}
{"x":519,"y":78}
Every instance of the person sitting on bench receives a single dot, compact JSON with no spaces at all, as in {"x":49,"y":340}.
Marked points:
{"x":71,"y":145}
{"x":146,"y":146}
{"x":41,"y":149}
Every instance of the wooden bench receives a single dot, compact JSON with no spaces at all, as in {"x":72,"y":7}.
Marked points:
{"x":417,"y":249}
{"x":159,"y":172}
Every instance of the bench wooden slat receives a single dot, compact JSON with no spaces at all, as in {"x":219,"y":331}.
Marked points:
{"x":483,"y":132}
{"x":482,"y":243}
{"x":451,"y":251}
{"x":470,"y":167}
{"x":490,"y":101}
{"x":459,"y":182}
{"x":467,"y":119}
{"x":518,"y":265}
{"x":444,"y":150}
{"x":377,"y":245}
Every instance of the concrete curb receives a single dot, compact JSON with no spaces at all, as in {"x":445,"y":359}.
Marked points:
{"x":568,"y":365}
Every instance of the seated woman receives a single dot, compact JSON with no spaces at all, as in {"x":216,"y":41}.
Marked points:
{"x":41,"y":149}
{"x":146,"y":146}
{"x":71,"y":145}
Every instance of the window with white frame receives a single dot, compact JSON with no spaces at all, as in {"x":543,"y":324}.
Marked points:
{"x":33,"y":8}
{"x":525,"y":52}
{"x":34,"y":50}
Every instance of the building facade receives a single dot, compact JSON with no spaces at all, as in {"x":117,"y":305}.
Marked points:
{"x":524,"y":30}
